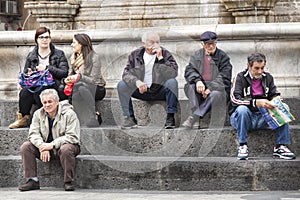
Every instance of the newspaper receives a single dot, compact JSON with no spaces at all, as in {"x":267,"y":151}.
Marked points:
{"x":277,"y":116}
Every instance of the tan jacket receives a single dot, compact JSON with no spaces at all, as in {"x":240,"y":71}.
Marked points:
{"x":66,"y":128}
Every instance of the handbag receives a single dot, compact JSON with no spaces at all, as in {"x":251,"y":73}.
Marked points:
{"x":36,"y":81}
{"x":68,"y":89}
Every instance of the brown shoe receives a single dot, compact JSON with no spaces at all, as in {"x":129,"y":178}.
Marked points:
{"x":69,"y":187}
{"x":20,"y":122}
{"x":30,"y":185}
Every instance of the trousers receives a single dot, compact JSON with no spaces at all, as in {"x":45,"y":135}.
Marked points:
{"x":66,"y":155}
{"x":168,"y":93}
{"x":244,"y":120}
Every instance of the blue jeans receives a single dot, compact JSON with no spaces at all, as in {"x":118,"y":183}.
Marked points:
{"x":243,"y":120}
{"x":168,"y":93}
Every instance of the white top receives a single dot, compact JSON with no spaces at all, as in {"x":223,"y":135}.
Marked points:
{"x":149,"y":62}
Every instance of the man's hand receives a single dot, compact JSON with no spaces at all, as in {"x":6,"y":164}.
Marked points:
{"x":264,"y":103}
{"x":206,"y":93}
{"x":200,"y":87}
{"x":45,"y":156}
{"x":158,"y":52}
{"x":141,"y":86}
{"x":45,"y":147}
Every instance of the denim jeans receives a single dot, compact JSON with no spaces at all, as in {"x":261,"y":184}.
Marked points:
{"x":243,"y":120}
{"x":168,"y":93}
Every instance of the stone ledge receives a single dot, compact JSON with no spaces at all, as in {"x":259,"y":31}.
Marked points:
{"x":157,"y":173}
{"x":147,"y":113}
{"x":156,"y":142}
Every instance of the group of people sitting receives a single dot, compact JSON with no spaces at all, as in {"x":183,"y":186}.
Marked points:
{"x":150,"y":75}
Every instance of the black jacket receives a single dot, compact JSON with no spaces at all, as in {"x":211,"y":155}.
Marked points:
{"x":241,"y":91}
{"x":58,"y":63}
{"x":221,"y":70}
{"x":163,"y":70}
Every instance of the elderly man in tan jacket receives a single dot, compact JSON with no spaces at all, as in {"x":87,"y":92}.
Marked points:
{"x":55,"y":131}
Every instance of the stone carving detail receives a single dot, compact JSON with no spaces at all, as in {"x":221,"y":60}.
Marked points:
{"x":250,"y":11}
{"x":53,"y":14}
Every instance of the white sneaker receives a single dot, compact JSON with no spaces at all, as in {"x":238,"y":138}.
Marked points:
{"x":283,"y":152}
{"x":243,"y":152}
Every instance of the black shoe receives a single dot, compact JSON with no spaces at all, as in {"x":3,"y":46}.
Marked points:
{"x":69,"y":187}
{"x":128,"y":123}
{"x":170,"y":123}
{"x":30,"y":185}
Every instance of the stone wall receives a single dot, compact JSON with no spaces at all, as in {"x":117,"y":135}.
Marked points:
{"x":279,"y":41}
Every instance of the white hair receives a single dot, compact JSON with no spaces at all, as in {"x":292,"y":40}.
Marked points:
{"x":51,"y":91}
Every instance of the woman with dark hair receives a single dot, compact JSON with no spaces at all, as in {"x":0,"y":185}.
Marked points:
{"x":88,"y":81}
{"x":43,"y":56}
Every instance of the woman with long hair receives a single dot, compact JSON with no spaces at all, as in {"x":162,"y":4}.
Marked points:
{"x":88,"y":81}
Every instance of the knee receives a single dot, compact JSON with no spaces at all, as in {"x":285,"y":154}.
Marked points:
{"x":25,"y":146}
{"x":242,"y":110}
{"x":65,"y":150}
{"x":122,"y":86}
{"x":172,"y":84}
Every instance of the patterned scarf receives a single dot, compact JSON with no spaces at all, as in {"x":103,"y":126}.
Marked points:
{"x":77,"y":63}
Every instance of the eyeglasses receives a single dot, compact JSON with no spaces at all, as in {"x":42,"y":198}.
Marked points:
{"x":44,"y":37}
{"x":210,"y":43}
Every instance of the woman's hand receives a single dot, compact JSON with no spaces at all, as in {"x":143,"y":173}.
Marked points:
{"x":72,"y":79}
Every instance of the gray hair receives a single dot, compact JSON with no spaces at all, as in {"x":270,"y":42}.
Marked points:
{"x":52,"y":92}
{"x":256,"y":57}
{"x":147,"y":34}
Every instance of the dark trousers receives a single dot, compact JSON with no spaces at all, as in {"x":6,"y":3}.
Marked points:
{"x":168,"y":93}
{"x":66,"y":155}
{"x":27,"y":99}
{"x":83,"y":100}
{"x":216,"y":100}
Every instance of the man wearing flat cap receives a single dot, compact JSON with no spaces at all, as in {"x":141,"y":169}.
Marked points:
{"x":208,"y":77}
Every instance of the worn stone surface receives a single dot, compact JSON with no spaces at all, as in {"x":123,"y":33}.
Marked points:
{"x":151,"y":142}
{"x":154,"y":173}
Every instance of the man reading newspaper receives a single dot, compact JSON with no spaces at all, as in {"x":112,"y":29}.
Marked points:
{"x":252,"y":89}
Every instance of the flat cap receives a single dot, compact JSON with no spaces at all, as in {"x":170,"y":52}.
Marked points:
{"x":208,"y":36}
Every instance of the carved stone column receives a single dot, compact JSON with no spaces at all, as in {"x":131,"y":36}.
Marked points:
{"x":287,"y":11}
{"x":250,"y":11}
{"x":57,"y":15}
{"x":99,"y":14}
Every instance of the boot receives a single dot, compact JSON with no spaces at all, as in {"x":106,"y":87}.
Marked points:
{"x":20,"y":122}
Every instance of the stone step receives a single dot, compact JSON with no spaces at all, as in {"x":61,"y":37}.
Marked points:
{"x":147,"y":113}
{"x":159,"y":142}
{"x":163,"y":173}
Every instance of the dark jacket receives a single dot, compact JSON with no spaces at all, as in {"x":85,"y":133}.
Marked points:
{"x":58,"y":63}
{"x":241,"y":91}
{"x":221,"y":70}
{"x":163,"y":70}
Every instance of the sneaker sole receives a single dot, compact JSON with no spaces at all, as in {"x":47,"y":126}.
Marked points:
{"x":130,"y":127}
{"x":169,"y":127}
{"x":283,"y":157}
{"x":246,"y":158}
